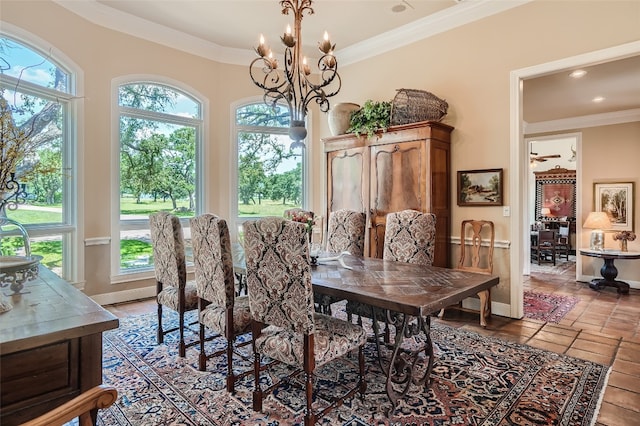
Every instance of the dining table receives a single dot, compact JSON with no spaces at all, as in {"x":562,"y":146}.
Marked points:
{"x":406,"y":294}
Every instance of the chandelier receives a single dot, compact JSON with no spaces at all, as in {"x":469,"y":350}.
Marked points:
{"x":292,"y":85}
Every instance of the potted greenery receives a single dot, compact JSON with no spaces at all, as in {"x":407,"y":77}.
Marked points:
{"x":371,"y":117}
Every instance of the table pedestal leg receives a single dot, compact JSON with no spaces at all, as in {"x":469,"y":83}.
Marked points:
{"x":609,"y":273}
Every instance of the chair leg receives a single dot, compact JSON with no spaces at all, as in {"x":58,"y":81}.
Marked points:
{"x":309,"y":416}
{"x":202,"y":360}
{"x":257,"y":391}
{"x":230,"y":377}
{"x":160,"y":333}
{"x":361,"y":375}
{"x":182,"y":349}
{"x":485,"y":306}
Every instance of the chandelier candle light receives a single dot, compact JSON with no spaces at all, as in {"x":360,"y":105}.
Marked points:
{"x":292,"y":85}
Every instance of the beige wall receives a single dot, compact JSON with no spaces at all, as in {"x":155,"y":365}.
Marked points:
{"x":468,"y":66}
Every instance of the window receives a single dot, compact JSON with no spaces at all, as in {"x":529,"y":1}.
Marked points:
{"x":270,"y":175}
{"x":36,"y":94}
{"x":160,"y":141}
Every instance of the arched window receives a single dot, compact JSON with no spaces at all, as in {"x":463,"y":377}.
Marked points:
{"x":270,"y":175}
{"x":160,"y":141}
{"x":38,"y":120}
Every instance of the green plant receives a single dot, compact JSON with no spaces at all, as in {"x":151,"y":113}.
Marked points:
{"x":371,"y":117}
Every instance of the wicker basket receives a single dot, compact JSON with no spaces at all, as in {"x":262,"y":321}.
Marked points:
{"x":411,"y":106}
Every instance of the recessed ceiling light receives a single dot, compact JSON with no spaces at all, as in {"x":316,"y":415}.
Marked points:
{"x":597,"y":99}
{"x":398,"y":8}
{"x":578,"y":73}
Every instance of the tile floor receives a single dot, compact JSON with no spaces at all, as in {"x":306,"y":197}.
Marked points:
{"x":603,"y":327}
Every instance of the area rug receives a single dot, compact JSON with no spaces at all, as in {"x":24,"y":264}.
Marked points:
{"x":561,"y":267}
{"x":547,"y":307}
{"x":477,"y":380}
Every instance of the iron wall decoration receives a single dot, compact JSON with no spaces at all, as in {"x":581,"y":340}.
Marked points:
{"x":556,"y":190}
{"x":616,"y":199}
{"x":480,"y":187}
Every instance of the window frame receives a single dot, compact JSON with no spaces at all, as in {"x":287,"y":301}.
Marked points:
{"x":119,"y":275}
{"x":307,"y":153}
{"x":70,"y":229}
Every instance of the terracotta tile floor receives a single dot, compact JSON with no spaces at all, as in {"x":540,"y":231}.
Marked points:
{"x":603,"y":327}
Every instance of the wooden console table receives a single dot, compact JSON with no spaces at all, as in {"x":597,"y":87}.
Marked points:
{"x":609,"y":271}
{"x":50,"y":347}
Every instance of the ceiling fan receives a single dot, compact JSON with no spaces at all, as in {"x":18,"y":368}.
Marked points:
{"x":541,"y":158}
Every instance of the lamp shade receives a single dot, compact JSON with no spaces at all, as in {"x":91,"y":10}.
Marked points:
{"x":545,"y":211}
{"x":597,"y":220}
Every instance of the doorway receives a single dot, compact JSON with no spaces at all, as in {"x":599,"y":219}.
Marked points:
{"x":519,"y":191}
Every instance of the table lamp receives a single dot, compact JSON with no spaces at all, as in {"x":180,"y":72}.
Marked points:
{"x":597,"y":221}
{"x":545,"y":211}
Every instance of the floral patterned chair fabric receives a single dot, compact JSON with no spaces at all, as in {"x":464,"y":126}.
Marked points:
{"x":346,"y":232}
{"x":173,"y":290}
{"x":219,"y":309}
{"x":285,"y":327}
{"x":410,"y":237}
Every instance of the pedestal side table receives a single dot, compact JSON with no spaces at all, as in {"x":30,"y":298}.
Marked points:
{"x":609,"y":271}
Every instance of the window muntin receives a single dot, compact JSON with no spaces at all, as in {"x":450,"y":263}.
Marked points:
{"x":38,"y":98}
{"x":160,"y":138}
{"x":270,"y":176}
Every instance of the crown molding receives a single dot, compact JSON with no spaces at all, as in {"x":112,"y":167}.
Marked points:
{"x":582,"y":122}
{"x":456,"y":16}
{"x":461,"y":14}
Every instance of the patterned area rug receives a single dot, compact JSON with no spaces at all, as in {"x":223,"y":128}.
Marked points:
{"x":561,"y":267}
{"x":547,"y":307}
{"x":476,"y":381}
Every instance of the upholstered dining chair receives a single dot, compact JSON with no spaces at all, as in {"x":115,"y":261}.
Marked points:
{"x":172,"y":289}
{"x":409,"y":237}
{"x":219,"y":309}
{"x":345,"y":232}
{"x":285,"y":325}
{"x":478,"y":258}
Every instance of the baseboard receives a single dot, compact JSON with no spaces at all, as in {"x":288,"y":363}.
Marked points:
{"x":497,"y":308}
{"x":124,"y":295}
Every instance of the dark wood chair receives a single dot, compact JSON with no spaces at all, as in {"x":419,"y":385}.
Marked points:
{"x":285,"y":326}
{"x":219,"y":309}
{"x":563,"y":242}
{"x":545,"y":249}
{"x":172,"y":289}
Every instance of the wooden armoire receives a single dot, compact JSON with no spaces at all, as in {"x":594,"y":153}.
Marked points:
{"x":406,"y":167}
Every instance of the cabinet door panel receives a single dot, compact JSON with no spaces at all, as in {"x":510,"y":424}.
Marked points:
{"x":397,"y":183}
{"x":346,"y":180}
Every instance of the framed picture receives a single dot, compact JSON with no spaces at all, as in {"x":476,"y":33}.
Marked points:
{"x":616,"y":199}
{"x":480,"y":187}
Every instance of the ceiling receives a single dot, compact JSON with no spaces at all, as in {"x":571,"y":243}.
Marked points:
{"x":228,"y":31}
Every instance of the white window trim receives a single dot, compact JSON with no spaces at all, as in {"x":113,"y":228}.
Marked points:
{"x":202,"y":152}
{"x":307,"y":194}
{"x":72,"y":232}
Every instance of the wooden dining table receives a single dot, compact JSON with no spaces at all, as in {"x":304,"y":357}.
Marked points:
{"x":407,"y":294}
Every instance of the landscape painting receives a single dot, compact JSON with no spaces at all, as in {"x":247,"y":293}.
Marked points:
{"x":480,"y":187}
{"x":616,"y":199}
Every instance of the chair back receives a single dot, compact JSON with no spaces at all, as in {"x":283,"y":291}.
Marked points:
{"x":479,"y":257}
{"x":346,"y":232}
{"x":212,"y":258}
{"x":546,"y":238}
{"x":279,"y":274}
{"x":168,"y":249}
{"x":410,"y":237}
